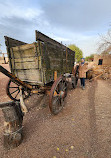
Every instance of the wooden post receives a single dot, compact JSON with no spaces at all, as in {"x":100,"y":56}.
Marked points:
{"x":13,"y":124}
{"x":23,"y":106}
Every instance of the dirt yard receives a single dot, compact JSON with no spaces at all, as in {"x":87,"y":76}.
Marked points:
{"x":81,"y":130}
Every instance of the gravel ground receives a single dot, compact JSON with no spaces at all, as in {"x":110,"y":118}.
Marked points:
{"x":81,"y":130}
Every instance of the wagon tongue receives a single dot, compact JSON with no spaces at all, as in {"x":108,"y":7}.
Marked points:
{"x":14,"y":78}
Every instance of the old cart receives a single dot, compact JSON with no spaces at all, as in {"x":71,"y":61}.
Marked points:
{"x":37,"y":68}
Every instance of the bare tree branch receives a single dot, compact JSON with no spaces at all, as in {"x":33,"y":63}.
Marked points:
{"x":105,"y":44}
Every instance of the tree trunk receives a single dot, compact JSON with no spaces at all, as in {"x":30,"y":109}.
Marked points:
{"x":13,"y":124}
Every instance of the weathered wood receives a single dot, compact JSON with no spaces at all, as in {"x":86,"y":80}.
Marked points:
{"x":24,"y":47}
{"x":2,"y":105}
{"x":40,"y":36}
{"x":13,"y":124}
{"x":25,"y":65}
{"x":37,"y":62}
{"x":31,"y":74}
{"x":96,"y":77}
{"x":23,"y":53}
{"x":10,"y":42}
{"x":27,"y":59}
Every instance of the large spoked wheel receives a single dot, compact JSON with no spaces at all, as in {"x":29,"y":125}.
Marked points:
{"x":13,"y":91}
{"x":57,"y":95}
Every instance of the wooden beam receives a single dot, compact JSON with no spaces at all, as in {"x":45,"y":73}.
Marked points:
{"x":2,"y":105}
{"x":11,"y":42}
{"x":42,"y":37}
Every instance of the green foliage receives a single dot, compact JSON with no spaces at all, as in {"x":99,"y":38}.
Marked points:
{"x":89,"y":57}
{"x":78,"y":52}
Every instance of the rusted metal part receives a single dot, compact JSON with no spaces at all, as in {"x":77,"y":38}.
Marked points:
{"x":35,"y":91}
{"x":57,"y":94}
{"x":14,"y":78}
{"x":55,"y":75}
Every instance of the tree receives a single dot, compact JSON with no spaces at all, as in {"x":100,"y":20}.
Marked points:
{"x":90,"y":57}
{"x":78,"y":52}
{"x":105,"y":43}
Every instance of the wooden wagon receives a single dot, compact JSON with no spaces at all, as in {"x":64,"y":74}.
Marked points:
{"x":37,"y":67}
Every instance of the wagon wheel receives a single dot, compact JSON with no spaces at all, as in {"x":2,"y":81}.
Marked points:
{"x":13,"y":91}
{"x":57,"y":94}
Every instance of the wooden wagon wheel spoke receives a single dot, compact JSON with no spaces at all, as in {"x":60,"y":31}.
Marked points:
{"x":55,"y":100}
{"x":13,"y":87}
{"x":15,"y":91}
{"x":63,"y":86}
{"x":17,"y":94}
{"x":57,"y":95}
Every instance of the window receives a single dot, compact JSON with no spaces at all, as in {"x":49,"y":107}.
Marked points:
{"x":100,"y":62}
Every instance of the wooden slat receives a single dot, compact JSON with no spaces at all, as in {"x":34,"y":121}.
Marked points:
{"x":10,"y":42}
{"x":26,"y":65}
{"x":27,"y":59}
{"x":32,"y":75}
{"x":24,"y":53}
{"x":24,"y":47}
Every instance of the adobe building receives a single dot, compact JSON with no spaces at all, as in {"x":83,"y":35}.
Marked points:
{"x":102,"y":59}
{"x":102,"y":65}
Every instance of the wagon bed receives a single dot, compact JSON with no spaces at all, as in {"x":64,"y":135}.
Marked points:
{"x":40,"y":67}
{"x":36,"y":63}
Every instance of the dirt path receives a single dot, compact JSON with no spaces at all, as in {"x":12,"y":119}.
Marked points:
{"x":84,"y":124}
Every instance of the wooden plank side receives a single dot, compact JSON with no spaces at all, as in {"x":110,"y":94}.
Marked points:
{"x":31,"y":74}
{"x":10,"y":42}
{"x":54,"y":59}
{"x":24,"y":47}
{"x":23,"y":53}
{"x":27,"y":59}
{"x":26,"y":65}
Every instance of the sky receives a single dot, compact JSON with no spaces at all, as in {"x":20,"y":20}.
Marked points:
{"x":79,"y":22}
